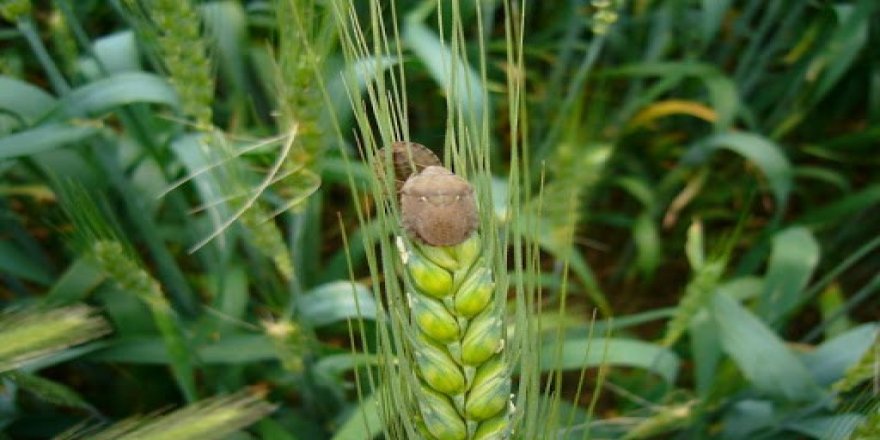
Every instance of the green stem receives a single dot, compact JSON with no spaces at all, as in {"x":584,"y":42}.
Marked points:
{"x":175,"y":344}
{"x":27,"y":28}
{"x":573,"y":93}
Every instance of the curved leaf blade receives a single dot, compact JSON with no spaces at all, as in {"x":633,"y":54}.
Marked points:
{"x":23,"y":99}
{"x":584,"y":352}
{"x":764,"y":153}
{"x":830,"y":360}
{"x":337,"y":301}
{"x":121,"y":89}
{"x":793,"y":258}
{"x":761,"y":356}
{"x":43,"y":138}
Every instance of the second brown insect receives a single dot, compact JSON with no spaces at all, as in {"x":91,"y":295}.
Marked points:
{"x":407,"y":158}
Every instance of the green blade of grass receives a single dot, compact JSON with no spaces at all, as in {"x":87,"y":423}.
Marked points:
{"x":837,"y":427}
{"x":336,"y":301}
{"x":26,"y":101}
{"x":226,"y":24}
{"x":14,"y":262}
{"x":47,"y":390}
{"x":44,"y":138}
{"x":830,"y":360}
{"x":80,"y":278}
{"x":839,"y":209}
{"x":723,"y":96}
{"x":764,"y":153}
{"x":103,"y":95}
{"x":449,"y":73}
{"x":793,"y":258}
{"x":116,"y":53}
{"x":713,"y":14}
{"x":584,"y":352}
{"x":230,"y":349}
{"x":231,"y":301}
{"x":845,"y":44}
{"x":364,"y":421}
{"x":205,"y":169}
{"x":706,"y":351}
{"x":760,"y":355}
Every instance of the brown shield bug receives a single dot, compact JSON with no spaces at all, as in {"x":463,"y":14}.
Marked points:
{"x":438,"y":207}
{"x":407,"y":158}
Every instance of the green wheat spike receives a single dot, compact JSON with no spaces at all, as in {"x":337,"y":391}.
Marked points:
{"x":268,"y":239}
{"x":301,"y":51}
{"x":463,"y":375}
{"x":697,"y":292}
{"x":213,"y":418}
{"x":27,"y":335}
{"x":113,"y":258}
{"x":96,"y":236}
{"x":183,"y":52}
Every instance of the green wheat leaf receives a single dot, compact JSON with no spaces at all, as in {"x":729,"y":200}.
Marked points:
{"x":761,"y":356}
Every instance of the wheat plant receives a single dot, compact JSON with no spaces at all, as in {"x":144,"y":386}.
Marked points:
{"x":447,"y":328}
{"x":463,"y":373}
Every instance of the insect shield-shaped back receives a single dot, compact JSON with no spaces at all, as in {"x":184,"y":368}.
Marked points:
{"x":438,"y":207}
{"x":407,"y":158}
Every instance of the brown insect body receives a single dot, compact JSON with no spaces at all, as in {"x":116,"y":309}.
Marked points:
{"x":408,"y":158}
{"x":438,"y":207}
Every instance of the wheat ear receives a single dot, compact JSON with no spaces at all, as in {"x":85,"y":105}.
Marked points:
{"x":464,"y":382}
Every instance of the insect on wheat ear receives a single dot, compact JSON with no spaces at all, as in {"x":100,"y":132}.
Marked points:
{"x":463,"y":378}
{"x":438,"y":207}
{"x":407,"y":158}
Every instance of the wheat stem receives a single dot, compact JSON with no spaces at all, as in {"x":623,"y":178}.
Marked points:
{"x":112,"y":257}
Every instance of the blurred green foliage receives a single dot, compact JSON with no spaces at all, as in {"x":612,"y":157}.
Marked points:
{"x":177,"y":226}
